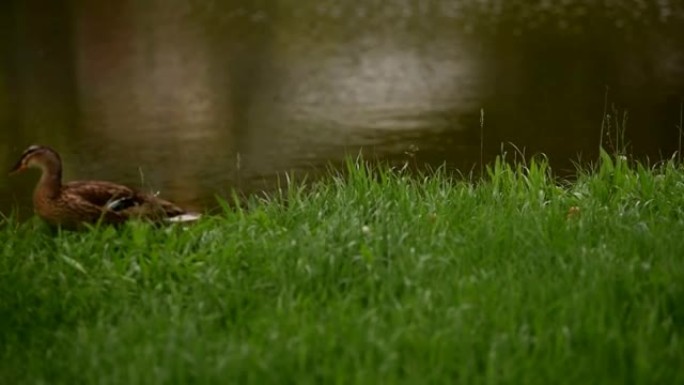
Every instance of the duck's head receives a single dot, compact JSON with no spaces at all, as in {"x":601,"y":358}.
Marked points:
{"x":37,"y":156}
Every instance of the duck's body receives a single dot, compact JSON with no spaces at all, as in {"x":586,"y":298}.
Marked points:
{"x":72,"y":204}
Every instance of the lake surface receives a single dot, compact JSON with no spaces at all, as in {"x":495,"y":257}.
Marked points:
{"x":196,"y":98}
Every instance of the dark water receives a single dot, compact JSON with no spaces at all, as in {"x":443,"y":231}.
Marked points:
{"x":195,"y":98}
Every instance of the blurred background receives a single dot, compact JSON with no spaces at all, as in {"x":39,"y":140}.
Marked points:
{"x":196,"y":98}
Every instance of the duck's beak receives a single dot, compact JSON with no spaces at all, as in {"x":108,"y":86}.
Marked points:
{"x":19,"y":167}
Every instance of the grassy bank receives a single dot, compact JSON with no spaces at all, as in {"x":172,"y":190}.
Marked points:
{"x":374,"y":277}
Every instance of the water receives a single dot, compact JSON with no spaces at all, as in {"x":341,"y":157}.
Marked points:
{"x":198,"y":98}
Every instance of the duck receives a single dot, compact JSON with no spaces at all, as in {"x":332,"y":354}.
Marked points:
{"x":74,"y":204}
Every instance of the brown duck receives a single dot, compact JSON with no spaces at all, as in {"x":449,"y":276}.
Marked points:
{"x":72,"y":204}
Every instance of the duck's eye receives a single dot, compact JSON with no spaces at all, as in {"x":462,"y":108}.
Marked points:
{"x":30,"y":152}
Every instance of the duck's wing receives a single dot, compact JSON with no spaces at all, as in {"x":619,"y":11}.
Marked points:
{"x":75,"y":208}
{"x":123,"y":200}
{"x":148,"y":206}
{"x":98,"y":193}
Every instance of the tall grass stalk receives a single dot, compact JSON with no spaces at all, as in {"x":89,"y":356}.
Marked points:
{"x":680,"y":129}
{"x":481,"y":141}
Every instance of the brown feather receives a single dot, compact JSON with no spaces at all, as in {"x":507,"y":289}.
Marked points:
{"x":97,"y":192}
{"x":101,"y":193}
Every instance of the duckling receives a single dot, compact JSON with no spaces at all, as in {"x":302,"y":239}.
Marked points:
{"x":72,"y":204}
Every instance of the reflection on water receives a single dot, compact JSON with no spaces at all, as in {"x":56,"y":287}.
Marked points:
{"x":168,"y":95}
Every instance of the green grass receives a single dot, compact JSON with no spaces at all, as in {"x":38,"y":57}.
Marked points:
{"x":374,"y":277}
